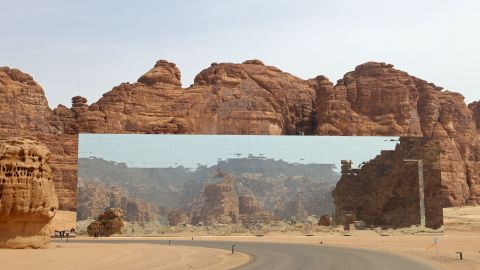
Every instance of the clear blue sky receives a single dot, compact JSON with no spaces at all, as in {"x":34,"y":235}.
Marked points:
{"x":157,"y":151}
{"x":87,"y":47}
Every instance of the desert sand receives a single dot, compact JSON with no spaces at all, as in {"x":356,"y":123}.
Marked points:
{"x":69,"y":256}
{"x":462,"y":219}
{"x":462,"y":234}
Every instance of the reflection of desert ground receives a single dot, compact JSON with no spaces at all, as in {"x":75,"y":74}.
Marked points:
{"x":63,"y":220}
{"x":111,"y":256}
{"x":466,"y":218}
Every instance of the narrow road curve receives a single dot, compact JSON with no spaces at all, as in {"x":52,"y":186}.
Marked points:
{"x":281,"y":256}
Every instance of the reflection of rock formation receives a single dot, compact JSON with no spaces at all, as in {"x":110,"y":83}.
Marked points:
{"x":94,"y":198}
{"x":221,"y":202}
{"x":138,"y":211}
{"x":385,"y":190}
{"x":116,"y":198}
{"x":250,"y":209}
{"x":297,"y":208}
{"x":177,"y":217}
{"x":27,"y":197}
{"x":108,"y":223}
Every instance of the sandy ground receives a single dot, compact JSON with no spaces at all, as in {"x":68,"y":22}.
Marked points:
{"x":462,"y":234}
{"x":69,"y":256}
{"x":466,"y":219}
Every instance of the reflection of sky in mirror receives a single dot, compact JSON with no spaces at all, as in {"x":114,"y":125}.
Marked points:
{"x":157,"y":151}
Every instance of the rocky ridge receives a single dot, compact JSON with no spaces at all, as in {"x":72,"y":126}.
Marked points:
{"x":253,"y":98}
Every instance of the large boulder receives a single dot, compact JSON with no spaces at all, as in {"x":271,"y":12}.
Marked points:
{"x":27,"y":196}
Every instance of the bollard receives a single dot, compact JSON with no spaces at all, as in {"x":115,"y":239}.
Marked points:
{"x":461,"y":255}
{"x":192,"y":238}
{"x":233,"y":250}
{"x":169,"y":242}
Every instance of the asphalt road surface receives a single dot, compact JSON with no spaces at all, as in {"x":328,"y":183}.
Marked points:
{"x":280,"y":256}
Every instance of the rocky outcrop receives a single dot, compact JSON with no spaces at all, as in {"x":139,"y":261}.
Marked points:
{"x":177,"y":217}
{"x":253,"y":98}
{"x":221,"y":202}
{"x":108,"y":223}
{"x":24,"y":111}
{"x":385,"y":190}
{"x":27,"y":196}
{"x":375,"y":99}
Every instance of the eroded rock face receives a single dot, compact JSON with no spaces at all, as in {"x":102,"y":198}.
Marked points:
{"x":108,"y":223}
{"x":27,"y":196}
{"x":221,"y":202}
{"x":385,"y":190}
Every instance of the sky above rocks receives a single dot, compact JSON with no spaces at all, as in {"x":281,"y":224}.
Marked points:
{"x":87,"y":47}
{"x":163,"y":151}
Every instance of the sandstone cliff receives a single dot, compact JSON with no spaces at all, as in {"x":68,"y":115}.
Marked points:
{"x":27,"y":197}
{"x":253,"y":98}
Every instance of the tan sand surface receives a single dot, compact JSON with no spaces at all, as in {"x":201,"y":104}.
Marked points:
{"x":69,"y":256}
{"x":466,"y":219}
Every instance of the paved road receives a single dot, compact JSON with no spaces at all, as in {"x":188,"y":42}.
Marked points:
{"x":279,"y":256}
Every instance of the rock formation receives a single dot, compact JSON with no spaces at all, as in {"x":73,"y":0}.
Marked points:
{"x":385,"y":190}
{"x":253,"y":98}
{"x":221,"y":202}
{"x":177,"y":216}
{"x":108,"y":223}
{"x":27,"y":196}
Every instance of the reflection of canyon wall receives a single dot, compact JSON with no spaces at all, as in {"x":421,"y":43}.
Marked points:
{"x":93,"y":198}
{"x":275,"y":186}
{"x":385,"y":191}
{"x":221,"y":202}
{"x":27,"y":197}
{"x":252,"y":98}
